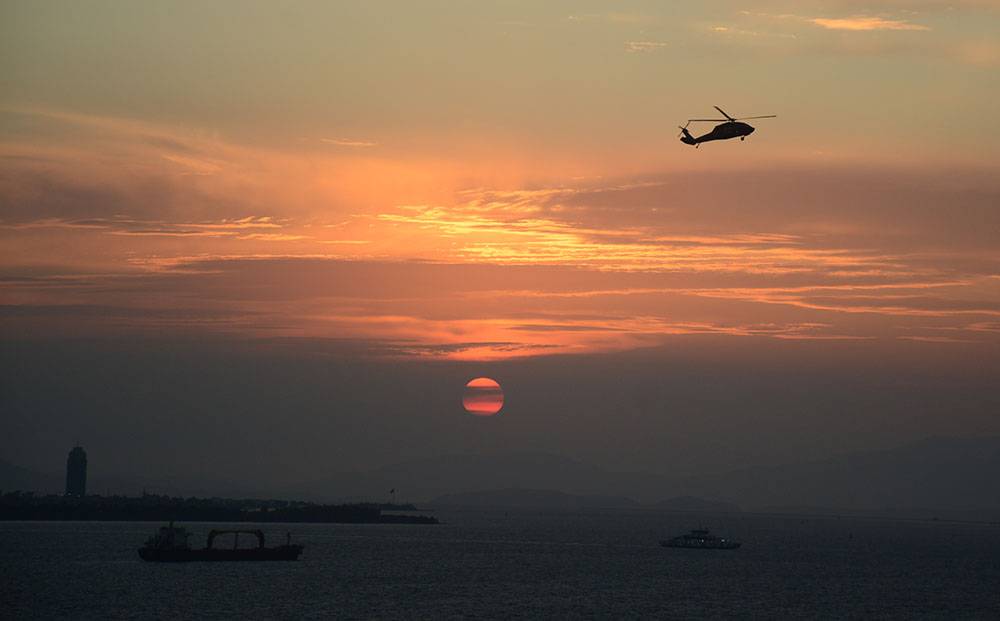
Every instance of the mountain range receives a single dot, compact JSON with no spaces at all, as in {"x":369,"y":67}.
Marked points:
{"x":935,"y":477}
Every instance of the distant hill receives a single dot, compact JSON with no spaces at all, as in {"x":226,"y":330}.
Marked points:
{"x":422,"y":479}
{"x":532,"y":499}
{"x":550,"y":499}
{"x":936,"y":477}
{"x":944,"y":477}
{"x":700,"y":505}
{"x":15,"y":478}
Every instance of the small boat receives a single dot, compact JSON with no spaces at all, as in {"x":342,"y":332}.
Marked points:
{"x":170,"y":545}
{"x":700,"y":538}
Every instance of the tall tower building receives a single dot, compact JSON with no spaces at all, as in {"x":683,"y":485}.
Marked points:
{"x":76,"y":472}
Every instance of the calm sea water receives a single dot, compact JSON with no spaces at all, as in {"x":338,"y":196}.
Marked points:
{"x":492,"y":564}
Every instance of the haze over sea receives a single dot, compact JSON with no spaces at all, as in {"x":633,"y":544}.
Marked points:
{"x":519,"y":564}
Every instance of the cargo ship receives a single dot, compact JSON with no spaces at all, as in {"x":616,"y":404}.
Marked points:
{"x":700,"y":538}
{"x":170,"y":545}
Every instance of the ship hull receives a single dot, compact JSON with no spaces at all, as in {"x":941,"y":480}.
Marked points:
{"x":280,"y":553}
{"x":726,"y":545}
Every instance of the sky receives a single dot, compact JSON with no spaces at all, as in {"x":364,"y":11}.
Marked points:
{"x":393,"y":198}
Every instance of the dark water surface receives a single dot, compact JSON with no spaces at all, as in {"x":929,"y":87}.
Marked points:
{"x":492,"y":564}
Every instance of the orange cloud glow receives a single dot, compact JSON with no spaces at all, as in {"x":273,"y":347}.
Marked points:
{"x":167,"y":230}
{"x":864,"y":22}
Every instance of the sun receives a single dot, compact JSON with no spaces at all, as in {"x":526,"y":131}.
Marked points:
{"x":482,"y":397}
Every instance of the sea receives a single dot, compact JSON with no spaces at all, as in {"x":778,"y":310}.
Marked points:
{"x":524,"y":564}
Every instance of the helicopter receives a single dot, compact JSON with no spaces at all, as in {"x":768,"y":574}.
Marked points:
{"x":729,"y":128}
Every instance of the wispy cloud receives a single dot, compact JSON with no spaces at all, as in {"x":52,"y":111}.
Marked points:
{"x":349,"y":142}
{"x":131,"y":227}
{"x":482,"y":312}
{"x":866,"y":22}
{"x":272,"y":236}
{"x":611,"y":17}
{"x":644,"y":46}
{"x":877,"y":301}
{"x":194,"y":166}
{"x":521,"y":237}
{"x":934,"y":339}
{"x":493,"y":271}
{"x":743,"y":32}
{"x":852,"y":22}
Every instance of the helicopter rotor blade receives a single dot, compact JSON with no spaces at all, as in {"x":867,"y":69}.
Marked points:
{"x":711,"y":120}
{"x":724,"y":113}
{"x":766,"y":116}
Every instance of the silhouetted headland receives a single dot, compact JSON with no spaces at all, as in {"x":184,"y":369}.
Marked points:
{"x":27,"y":506}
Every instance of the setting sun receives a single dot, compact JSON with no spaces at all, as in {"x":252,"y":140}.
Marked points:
{"x":482,"y":397}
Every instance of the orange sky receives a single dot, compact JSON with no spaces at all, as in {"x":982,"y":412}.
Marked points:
{"x":516,"y":194}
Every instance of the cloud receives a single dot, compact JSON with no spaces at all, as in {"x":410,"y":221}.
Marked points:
{"x":934,"y":339}
{"x":742,"y":32}
{"x":611,"y":17}
{"x":348,"y":142}
{"x":273,"y":236}
{"x":104,"y":167}
{"x":887,"y":301}
{"x":644,"y":46}
{"x":489,"y":312}
{"x":800,"y":33}
{"x":248,"y":222}
{"x":122,"y":225}
{"x":596,"y":264}
{"x":516,"y":238}
{"x":194,"y":166}
{"x":863,"y":22}
{"x":914,"y":5}
{"x":786,"y":33}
